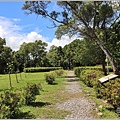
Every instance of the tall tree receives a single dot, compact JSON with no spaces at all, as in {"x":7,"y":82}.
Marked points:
{"x":113,"y":37}
{"x":6,"y":58}
{"x":38,"y":52}
{"x":81,"y":18}
{"x":55,"y":56}
{"x":82,"y":52}
{"x":32,"y":54}
{"x":2,"y":43}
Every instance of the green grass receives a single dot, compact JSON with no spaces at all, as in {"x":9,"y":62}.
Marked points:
{"x":43,"y":107}
{"x":30,"y":77}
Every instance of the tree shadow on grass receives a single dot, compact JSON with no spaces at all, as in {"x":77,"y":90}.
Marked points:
{"x":54,"y":83}
{"x":24,"y":115}
{"x":39,"y":104}
{"x":112,"y":109}
{"x":72,"y":80}
{"x":70,"y":76}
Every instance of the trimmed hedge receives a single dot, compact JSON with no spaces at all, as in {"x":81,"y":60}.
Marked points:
{"x":77,"y":70}
{"x":41,"y":69}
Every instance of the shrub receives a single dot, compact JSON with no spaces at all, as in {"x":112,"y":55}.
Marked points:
{"x":50,"y":77}
{"x":110,"y":91}
{"x":78,"y":70}
{"x":31,"y":91}
{"x":59,"y":72}
{"x":10,"y":103}
{"x":41,"y":69}
{"x":90,"y":77}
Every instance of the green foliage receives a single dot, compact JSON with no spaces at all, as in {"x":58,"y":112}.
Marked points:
{"x":10,"y":103}
{"x":33,"y":53}
{"x":50,"y":77}
{"x":41,"y":69}
{"x":55,"y":56}
{"x":59,"y":72}
{"x":31,"y":91}
{"x":110,"y":91}
{"x":78,"y":70}
{"x":89,"y":19}
{"x":90,"y":77}
{"x":43,"y":107}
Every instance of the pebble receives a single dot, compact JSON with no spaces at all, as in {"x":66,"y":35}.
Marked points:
{"x":80,"y":107}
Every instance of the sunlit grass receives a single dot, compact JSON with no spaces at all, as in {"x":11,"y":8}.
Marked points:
{"x":44,"y":106}
{"x":23,"y":80}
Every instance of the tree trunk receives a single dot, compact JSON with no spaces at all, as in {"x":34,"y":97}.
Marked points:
{"x":103,"y":67}
{"x":103,"y":63}
{"x":10,"y":80}
{"x":20,"y":76}
{"x":109,"y":56}
{"x":16,"y":77}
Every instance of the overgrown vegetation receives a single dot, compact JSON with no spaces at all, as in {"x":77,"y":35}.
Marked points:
{"x":105,"y":109}
{"x":31,"y":91}
{"x":10,"y":103}
{"x":109,"y":91}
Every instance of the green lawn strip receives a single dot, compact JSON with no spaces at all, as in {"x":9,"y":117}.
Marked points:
{"x":44,"y":106}
{"x":107,"y":110}
{"x":46,"y":112}
{"x":30,"y":77}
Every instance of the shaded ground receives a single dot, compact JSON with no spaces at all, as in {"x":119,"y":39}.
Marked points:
{"x":80,"y":106}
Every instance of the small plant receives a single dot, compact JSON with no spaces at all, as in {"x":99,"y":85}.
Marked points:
{"x":10,"y":103}
{"x":59,"y":72}
{"x":50,"y":77}
{"x":31,"y":91}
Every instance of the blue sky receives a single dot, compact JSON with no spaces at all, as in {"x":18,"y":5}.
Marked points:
{"x":17,"y":27}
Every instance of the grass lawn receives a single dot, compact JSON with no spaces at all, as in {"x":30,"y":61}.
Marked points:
{"x":43,"y":107}
{"x":30,"y":77}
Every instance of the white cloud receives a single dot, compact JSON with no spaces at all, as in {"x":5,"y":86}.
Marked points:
{"x":16,"y":19}
{"x":65,"y":39}
{"x":12,"y":33}
{"x":14,"y":36}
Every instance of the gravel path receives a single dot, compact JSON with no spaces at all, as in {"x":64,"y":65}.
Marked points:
{"x":80,"y":107}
